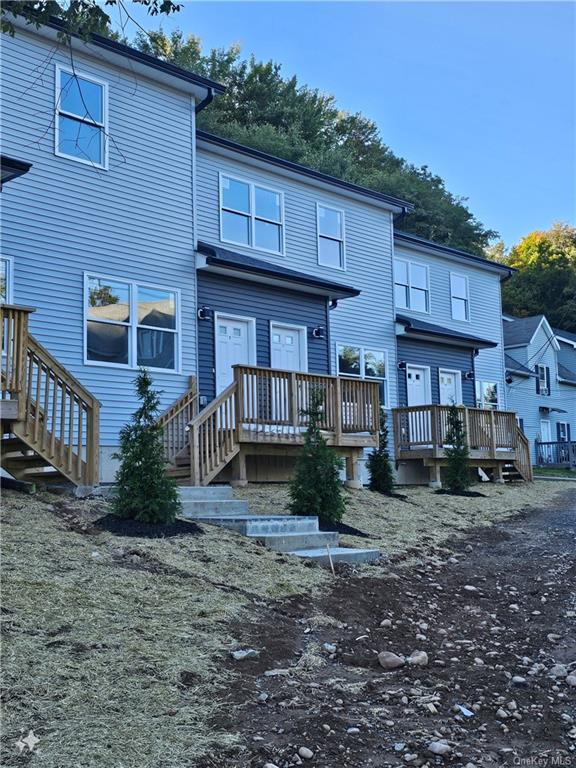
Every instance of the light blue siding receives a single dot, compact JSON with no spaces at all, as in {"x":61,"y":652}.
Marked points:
{"x":133,"y":221}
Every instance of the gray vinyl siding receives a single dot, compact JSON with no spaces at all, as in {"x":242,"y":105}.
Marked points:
{"x":132,"y":221}
{"x":485,"y":309}
{"x":265,"y":303}
{"x":366,"y":320}
{"x":435,"y":356}
{"x":524,"y":399}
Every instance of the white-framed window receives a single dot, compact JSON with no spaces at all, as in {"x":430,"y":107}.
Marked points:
{"x":6,"y":280}
{"x":543,"y":380}
{"x":330,"y":227}
{"x":364,"y":363}
{"x":411,"y":286}
{"x":81,"y":120}
{"x":562,"y":428}
{"x":459,"y":297}
{"x":130,"y":324}
{"x":487,"y":395}
{"x":251,"y":215}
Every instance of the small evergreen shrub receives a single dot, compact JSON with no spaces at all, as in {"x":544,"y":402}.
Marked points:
{"x":143,"y":491}
{"x":316,"y":488}
{"x":378,"y":463}
{"x":457,"y":473}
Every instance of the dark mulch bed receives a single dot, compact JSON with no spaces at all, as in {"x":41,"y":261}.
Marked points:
{"x":120,"y":527}
{"x":468,"y":494}
{"x":343,"y":528}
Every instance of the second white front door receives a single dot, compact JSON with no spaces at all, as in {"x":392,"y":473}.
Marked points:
{"x":288,"y":347}
{"x":235,"y":344}
{"x":449,"y":383}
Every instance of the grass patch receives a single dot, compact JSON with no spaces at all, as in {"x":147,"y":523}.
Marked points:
{"x":551,"y":472}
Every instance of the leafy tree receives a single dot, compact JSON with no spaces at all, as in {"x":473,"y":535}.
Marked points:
{"x":379,"y":464}
{"x":457,"y":473}
{"x":268,"y":111}
{"x":143,"y":491}
{"x":546,"y":279}
{"x":316,"y":488}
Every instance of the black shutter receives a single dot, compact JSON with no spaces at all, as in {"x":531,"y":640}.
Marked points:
{"x":558,"y":433}
{"x":548,"y":379}
{"x":537,"y":380}
{"x":568,"y":432}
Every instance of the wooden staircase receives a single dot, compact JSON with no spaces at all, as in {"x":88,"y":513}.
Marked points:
{"x":49,"y":421}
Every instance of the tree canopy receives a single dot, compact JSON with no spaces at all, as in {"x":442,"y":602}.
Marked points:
{"x":266,"y":110}
{"x":546,"y":279}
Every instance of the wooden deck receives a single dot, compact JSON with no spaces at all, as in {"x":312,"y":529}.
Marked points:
{"x":557,"y":455}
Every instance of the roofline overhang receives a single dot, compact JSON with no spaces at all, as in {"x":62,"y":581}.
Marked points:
{"x":454,"y":254}
{"x":118,"y":54}
{"x":12,"y":168}
{"x":569,"y":382}
{"x":404,"y":328}
{"x":262,"y":160}
{"x":522,"y":374}
{"x":551,"y":335}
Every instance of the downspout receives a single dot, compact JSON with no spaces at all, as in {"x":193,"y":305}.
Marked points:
{"x":208,"y":99}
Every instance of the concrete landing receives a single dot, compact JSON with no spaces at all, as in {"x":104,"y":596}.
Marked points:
{"x":339,"y":555}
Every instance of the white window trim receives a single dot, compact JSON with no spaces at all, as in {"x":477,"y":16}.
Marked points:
{"x":467,"y":297}
{"x":252,"y":215}
{"x":427,"y":379}
{"x":458,"y":375}
{"x":134,"y":325}
{"x":543,"y":387}
{"x":481,"y":382}
{"x":341,"y":240}
{"x":363,"y":349}
{"x":302,"y":331}
{"x":9,"y":278}
{"x":428,"y":310}
{"x":58,"y":111}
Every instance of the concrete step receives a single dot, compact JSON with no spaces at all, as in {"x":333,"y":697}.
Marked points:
{"x":288,"y":542}
{"x":207,"y":493}
{"x":338,"y":555}
{"x":254,"y":525}
{"x":214,"y":507}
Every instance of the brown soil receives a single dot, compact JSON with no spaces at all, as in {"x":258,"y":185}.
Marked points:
{"x":521,"y":613}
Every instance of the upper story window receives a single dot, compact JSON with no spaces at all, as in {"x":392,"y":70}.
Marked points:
{"x":486,"y":394}
{"x":251,"y":215}
{"x":330,"y":237}
{"x":459,"y":297}
{"x":81,"y":117}
{"x":131,"y":325}
{"x":364,"y":363}
{"x":5,"y":281}
{"x":411,"y":286}
{"x":543,"y":380}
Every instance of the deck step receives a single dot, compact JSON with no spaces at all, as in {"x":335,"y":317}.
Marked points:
{"x":12,"y":445}
{"x":217,"y":507}
{"x":290,"y":542}
{"x":338,"y":555}
{"x":31,"y":460}
{"x":45,"y":477}
{"x":205,"y":493}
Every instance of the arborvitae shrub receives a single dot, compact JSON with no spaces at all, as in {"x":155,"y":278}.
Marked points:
{"x":378,"y":464}
{"x":457,"y":473}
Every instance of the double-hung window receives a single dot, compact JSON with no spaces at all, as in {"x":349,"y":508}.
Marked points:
{"x":5,"y":281}
{"x":543,"y":380}
{"x":411,"y":289}
{"x":330,"y":237}
{"x":487,"y":395}
{"x":364,"y":363}
{"x":459,"y":297}
{"x":131,"y":325}
{"x":81,"y":117}
{"x":251,"y":215}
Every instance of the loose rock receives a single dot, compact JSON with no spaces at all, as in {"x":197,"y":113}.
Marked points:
{"x":389,"y":660}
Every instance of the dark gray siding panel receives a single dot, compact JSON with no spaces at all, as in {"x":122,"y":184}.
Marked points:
{"x":265,"y":303}
{"x":435,"y":356}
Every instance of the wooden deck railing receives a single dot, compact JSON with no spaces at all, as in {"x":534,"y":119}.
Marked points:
{"x":556,"y":454}
{"x":175,"y":419}
{"x":58,"y":417}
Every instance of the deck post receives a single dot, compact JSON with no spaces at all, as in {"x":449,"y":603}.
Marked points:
{"x":353,"y":469}
{"x":435,"y":477}
{"x":239,"y":475}
{"x":499,"y":473}
{"x":492,"y":435}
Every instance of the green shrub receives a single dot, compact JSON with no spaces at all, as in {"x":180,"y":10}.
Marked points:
{"x":378,"y":464}
{"x":143,"y":491}
{"x":457,"y":472}
{"x":316,"y":488}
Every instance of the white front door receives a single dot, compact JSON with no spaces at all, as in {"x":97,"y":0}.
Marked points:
{"x":287,"y":347}
{"x":235,"y":344}
{"x":449,"y":387}
{"x":545,"y":431}
{"x":418,"y":393}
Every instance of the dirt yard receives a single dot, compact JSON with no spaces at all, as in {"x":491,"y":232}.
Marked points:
{"x":116,"y":651}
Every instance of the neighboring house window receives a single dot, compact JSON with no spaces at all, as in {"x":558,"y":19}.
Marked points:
{"x":251,"y":215}
{"x":364,"y":363}
{"x":81,"y":117}
{"x":411,"y":286}
{"x":520,"y":422}
{"x":131,"y":325}
{"x":486,"y":395}
{"x":459,"y":297}
{"x":330,"y":237}
{"x":5,"y":281}
{"x":563,"y":431}
{"x":543,"y":380}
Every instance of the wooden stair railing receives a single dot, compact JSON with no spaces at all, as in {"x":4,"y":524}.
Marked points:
{"x":213,"y":437}
{"x":523,"y":461}
{"x":174,"y":422}
{"x":58,"y":418}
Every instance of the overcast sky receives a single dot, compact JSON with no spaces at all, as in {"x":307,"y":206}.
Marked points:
{"x":483,"y":93}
